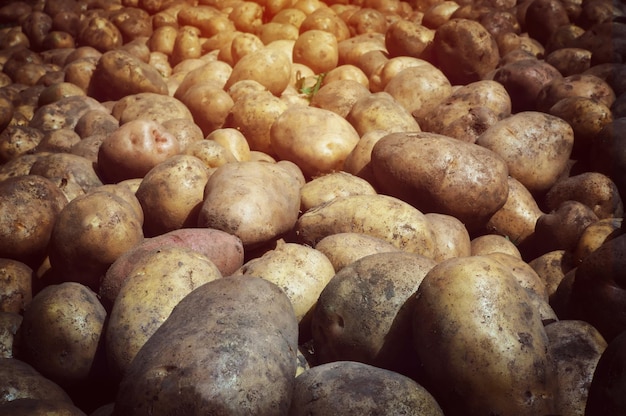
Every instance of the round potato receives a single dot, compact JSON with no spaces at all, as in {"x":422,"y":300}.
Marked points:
{"x":451,"y":236}
{"x":380,"y":111}
{"x":271,"y":68}
{"x":343,"y":249}
{"x":16,"y":292}
{"x":493,"y":243}
{"x":332,"y":185}
{"x":233,"y":141}
{"x":317,"y":49}
{"x":149,"y":106}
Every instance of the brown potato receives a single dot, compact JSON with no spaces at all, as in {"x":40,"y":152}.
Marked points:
{"x":271,"y":68}
{"x":579,"y":85}
{"x":16,"y":278}
{"x":332,"y":185}
{"x":535,"y":146}
{"x":407,"y":38}
{"x":67,"y":167}
{"x":380,"y":111}
{"x":27,"y":383}
{"x":493,"y":243}
{"x":16,"y":141}
{"x":339,"y":96}
{"x":343,"y":249}
{"x":434,"y":186}
{"x":135,"y":148}
{"x":595,"y":235}
{"x":552,"y":268}
{"x":233,"y":141}
{"x":209,"y":104}
{"x":63,"y":113}
{"x":570,"y":61}
{"x":317,"y":140}
{"x":61,"y":332}
{"x":451,"y":236}
{"x":100,"y":33}
{"x":162,"y":39}
{"x":149,"y":106}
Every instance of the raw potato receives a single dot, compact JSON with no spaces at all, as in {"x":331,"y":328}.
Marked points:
{"x":216,"y":365}
{"x":158,"y":281}
{"x":536,"y":147}
{"x":353,"y":388}
{"x":332,"y":185}
{"x":343,"y":249}
{"x":481,"y":343}
{"x":436,"y":173}
{"x":16,"y":285}
{"x":451,"y":236}
{"x":271,"y":68}
{"x":61,"y":332}
{"x":27,"y":383}
{"x":317,"y":49}
{"x":380,"y":111}
{"x":595,"y":235}
{"x":380,"y":216}
{"x":300,"y":271}
{"x":256,"y":201}
{"x":149,"y":106}
{"x":171,"y":194}
{"x":364,"y":312}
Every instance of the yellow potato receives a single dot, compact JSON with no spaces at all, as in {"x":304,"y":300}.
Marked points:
{"x":271,"y":68}
{"x":345,"y":248}
{"x":330,"y":186}
{"x":316,"y":49}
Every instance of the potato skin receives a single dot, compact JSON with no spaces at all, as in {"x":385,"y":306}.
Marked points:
{"x":436,"y":173}
{"x":475,"y":305}
{"x":230,"y":373}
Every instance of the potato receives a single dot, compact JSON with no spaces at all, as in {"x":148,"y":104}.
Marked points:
{"x":593,"y":189}
{"x":419,"y":89}
{"x":407,"y":38}
{"x":604,"y":392}
{"x":432,"y":186}
{"x":358,"y":160}
{"x":9,"y":324}
{"x":317,"y":140}
{"x":233,"y":141}
{"x":68,"y":167}
{"x":493,"y":243}
{"x":552,"y":268}
{"x":535,"y":146}
{"x":380,"y":216}
{"x":256,"y":201}
{"x":90,"y":233}
{"x":451,"y":237}
{"x":330,"y":186}
{"x":465,"y":51}
{"x":162,"y":39}
{"x":149,"y":106}
{"x":118,"y":74}
{"x":475,"y":305}
{"x":26,"y":407}
{"x":19,"y":380}
{"x":355,"y":388}
{"x":16,"y":278}
{"x":135,"y":148}
{"x":61,"y":332}
{"x":575,"y":370}
{"x":389,"y":68}
{"x":351,"y":50}
{"x":344,"y":248}
{"x":209,"y":104}
{"x":29,"y":208}
{"x":223,"y":249}
{"x":243,"y":44}
{"x":364,"y":312}
{"x":254,"y":115}
{"x":16,"y":141}
{"x":595,"y":234}
{"x":518,"y":216}
{"x":579,"y":85}
{"x":95,"y":122}
{"x":607,"y":152}
{"x":99,"y":33}
{"x":300,"y":271}
{"x":214,"y":71}
{"x":570,"y":61}
{"x":231,"y":373}
{"x":380,"y":111}
{"x":317,"y":49}
{"x":159,"y":279}
{"x":211,"y":153}
{"x":525,"y":275}
{"x":339,"y":96}
{"x":63,"y":113}
{"x":171,"y":194}
{"x":271,"y":68}
{"x":542,"y":17}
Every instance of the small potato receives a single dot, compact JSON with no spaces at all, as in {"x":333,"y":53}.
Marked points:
{"x":595,"y":235}
{"x":451,"y":236}
{"x":390,"y":68}
{"x":317,"y":49}
{"x":167,"y":274}
{"x":162,"y":39}
{"x":570,"y":61}
{"x":274,"y":31}
{"x":256,"y":201}
{"x":149,"y":106}
{"x":16,"y":141}
{"x":579,"y":85}
{"x":317,"y":140}
{"x":536,"y":147}
{"x":100,"y":33}
{"x":339,"y":96}
{"x":247,"y":16}
{"x":16,"y":292}
{"x":552,"y":267}
{"x":96,"y":122}
{"x":243,"y":44}
{"x":135,"y":148}
{"x":456,"y":178}
{"x":27,"y":383}
{"x":63,"y":113}
{"x":542,"y":17}
{"x":233,"y":141}
{"x":358,"y":160}
{"x":378,"y":215}
{"x":186,"y":45}
{"x":211,"y":153}
{"x":185,"y":130}
{"x":343,"y":249}
{"x":328,"y":20}
{"x":493,"y":243}
{"x":215,"y":72}
{"x":68,"y":167}
{"x":209,"y":104}
{"x":364,"y":312}
{"x":352,"y":49}
{"x":61,"y":332}
{"x":171,"y":194}
{"x":271,"y":68}
{"x":218,"y":363}
{"x":380,"y":111}
{"x":406,"y":38}
{"x":330,"y":186}
{"x":90,"y":233}
{"x":345,"y":73}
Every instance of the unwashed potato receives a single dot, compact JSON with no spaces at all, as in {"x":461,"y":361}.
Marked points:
{"x":317,"y":140}
{"x":135,"y":148}
{"x":343,"y":249}
{"x":256,"y":201}
{"x":300,"y":271}
{"x":380,"y":111}
{"x":552,"y":268}
{"x":271,"y":68}
{"x":67,"y":167}
{"x":233,"y":141}
{"x":90,"y":233}
{"x":339,"y":96}
{"x":493,"y":243}
{"x":317,"y":49}
{"x":149,"y":106}
{"x":451,"y":236}
{"x":535,"y":146}
{"x":579,"y":85}
{"x":28,"y":407}
{"x":217,"y":364}
{"x":354,"y":388}
{"x":29,"y":208}
{"x":61,"y":331}
{"x":159,"y":279}
{"x":209,"y":105}
{"x":364,"y":312}
{"x":19,"y":380}
{"x":330,"y":186}
{"x":380,"y":216}
{"x":358,"y":160}
{"x":607,"y":384}
{"x":211,"y":153}
{"x":482,"y":345}
{"x":407,"y":38}
{"x":16,"y":292}
{"x":223,"y":249}
{"x":575,"y":370}
{"x":595,"y":235}
{"x":452,"y":177}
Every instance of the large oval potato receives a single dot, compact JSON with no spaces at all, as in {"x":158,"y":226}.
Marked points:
{"x":271,"y":68}
{"x":332,"y":185}
{"x":482,"y":345}
{"x":317,"y":140}
{"x":436,"y":173}
{"x":380,"y":111}
{"x":536,"y":147}
{"x":380,"y":216}
{"x":216,"y":364}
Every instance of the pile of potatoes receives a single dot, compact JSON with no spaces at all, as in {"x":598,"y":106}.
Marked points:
{"x":312,"y":207}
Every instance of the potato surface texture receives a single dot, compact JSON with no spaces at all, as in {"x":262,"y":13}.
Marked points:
{"x":216,"y":364}
{"x":482,"y":345}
